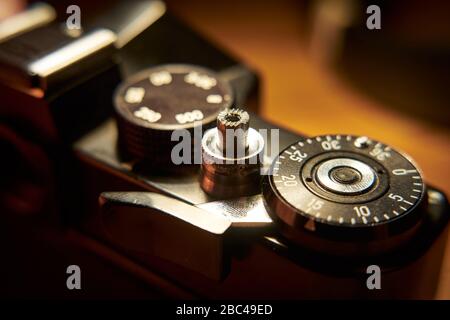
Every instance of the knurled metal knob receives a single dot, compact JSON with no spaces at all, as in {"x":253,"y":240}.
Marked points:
{"x":233,"y":125}
{"x":231,"y":157}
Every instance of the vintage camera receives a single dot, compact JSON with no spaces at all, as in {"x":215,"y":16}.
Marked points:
{"x":181,"y":188}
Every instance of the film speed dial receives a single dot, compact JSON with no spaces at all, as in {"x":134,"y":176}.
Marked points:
{"x":155,"y":102}
{"x":345,"y":195}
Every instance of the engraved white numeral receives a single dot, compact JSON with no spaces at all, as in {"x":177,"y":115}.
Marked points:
{"x":331,"y":145}
{"x":200,"y":80}
{"x":402,"y":172}
{"x":395,"y":197}
{"x":214,"y":98}
{"x":189,"y":116}
{"x":380,"y":153}
{"x":362,"y":211}
{"x":315,"y":204}
{"x":289,"y":181}
{"x":134,"y":95}
{"x":298,"y":156}
{"x":160,"y":78}
{"x":147,"y":114}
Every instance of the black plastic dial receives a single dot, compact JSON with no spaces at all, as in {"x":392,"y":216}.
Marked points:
{"x":153,"y":103}
{"x":344,"y":188}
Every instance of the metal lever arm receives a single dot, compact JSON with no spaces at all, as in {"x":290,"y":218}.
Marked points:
{"x":158,"y":225}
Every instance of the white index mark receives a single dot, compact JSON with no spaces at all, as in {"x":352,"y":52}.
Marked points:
{"x":338,"y":137}
{"x":386,"y":216}
{"x":329,"y":218}
{"x":281,"y":157}
{"x":364,"y":220}
{"x":396,"y":213}
{"x":293,"y":147}
{"x":353,"y":221}
{"x":301,"y":144}
{"x":416,"y":177}
{"x":341,"y":220}
{"x":319,"y":139}
{"x":375,"y":219}
{"x":417,"y":184}
{"x":403,"y":208}
{"x":288,"y":152}
{"x":416,"y":190}
{"x":405,"y":201}
{"x":348,"y":138}
{"x":309,"y":141}
{"x":414,"y":197}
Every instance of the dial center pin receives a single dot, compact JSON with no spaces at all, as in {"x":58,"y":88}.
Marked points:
{"x":347,"y":176}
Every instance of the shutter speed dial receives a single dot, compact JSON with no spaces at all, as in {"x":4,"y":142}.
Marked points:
{"x":344,"y":194}
{"x":155,"y":102}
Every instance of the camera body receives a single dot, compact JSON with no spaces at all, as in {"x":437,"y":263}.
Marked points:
{"x":88,"y":186}
{"x":253,"y":259}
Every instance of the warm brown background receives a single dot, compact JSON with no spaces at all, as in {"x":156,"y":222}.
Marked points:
{"x":299,"y":94}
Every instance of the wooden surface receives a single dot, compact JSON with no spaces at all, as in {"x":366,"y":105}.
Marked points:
{"x":302,"y":96}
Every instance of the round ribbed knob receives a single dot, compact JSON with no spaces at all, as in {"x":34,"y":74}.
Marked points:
{"x":233,"y":125}
{"x":231,"y":157}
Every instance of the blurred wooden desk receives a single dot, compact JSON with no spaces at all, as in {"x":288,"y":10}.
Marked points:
{"x":299,"y":95}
